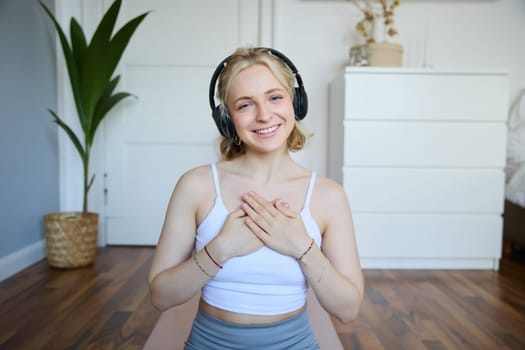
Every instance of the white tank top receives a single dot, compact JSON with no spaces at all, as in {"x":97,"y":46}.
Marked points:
{"x":264,"y":282}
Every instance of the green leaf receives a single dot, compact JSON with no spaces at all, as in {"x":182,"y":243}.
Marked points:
{"x":112,"y":55}
{"x":70,"y":133}
{"x":101,"y":64}
{"x":105,"y":106}
{"x":99,"y":112}
{"x":121,"y":39}
{"x":72,"y":68}
{"x":79,"y":49}
{"x":78,"y":42}
{"x":111,"y":86}
{"x":97,"y":66}
{"x":104,"y":29}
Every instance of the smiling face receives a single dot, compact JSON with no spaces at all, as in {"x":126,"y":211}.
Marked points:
{"x":261,"y":109}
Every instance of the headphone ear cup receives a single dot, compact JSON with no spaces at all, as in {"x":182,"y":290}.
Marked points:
{"x":223,"y":121}
{"x":300,"y":103}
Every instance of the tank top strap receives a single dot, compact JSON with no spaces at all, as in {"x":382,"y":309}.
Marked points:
{"x":216,"y":180}
{"x":310,"y":190}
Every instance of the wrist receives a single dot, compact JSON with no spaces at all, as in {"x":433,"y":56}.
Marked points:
{"x":219,"y":265}
{"x":216,"y":252}
{"x":306,"y":250}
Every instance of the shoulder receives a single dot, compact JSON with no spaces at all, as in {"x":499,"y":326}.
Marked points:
{"x":328,"y":189}
{"x":195,"y":182}
{"x":329,"y":201}
{"x":193,"y":192}
{"x":196,"y":176}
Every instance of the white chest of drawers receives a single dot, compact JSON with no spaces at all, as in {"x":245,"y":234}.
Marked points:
{"x":421,"y":155}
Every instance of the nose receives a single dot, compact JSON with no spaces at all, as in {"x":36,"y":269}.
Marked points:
{"x":264,"y":113}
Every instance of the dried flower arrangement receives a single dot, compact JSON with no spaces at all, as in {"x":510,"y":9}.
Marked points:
{"x":374,"y":10}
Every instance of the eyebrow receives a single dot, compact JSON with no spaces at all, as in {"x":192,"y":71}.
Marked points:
{"x":269,"y":92}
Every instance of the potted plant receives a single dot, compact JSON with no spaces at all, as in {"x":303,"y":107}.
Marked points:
{"x":376,"y":26}
{"x":71,"y":237}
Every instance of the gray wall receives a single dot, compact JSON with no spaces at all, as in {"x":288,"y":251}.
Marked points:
{"x":28,"y":138}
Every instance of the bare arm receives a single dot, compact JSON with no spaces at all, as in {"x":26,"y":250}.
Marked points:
{"x":174,"y":277}
{"x":335,"y":272}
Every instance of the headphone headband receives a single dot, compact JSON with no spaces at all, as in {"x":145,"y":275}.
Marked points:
{"x":220,"y":114}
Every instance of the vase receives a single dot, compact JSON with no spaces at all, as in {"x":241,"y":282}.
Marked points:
{"x":385,"y":54}
{"x":378,"y":29}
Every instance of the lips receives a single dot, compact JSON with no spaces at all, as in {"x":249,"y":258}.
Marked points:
{"x":266,"y":131}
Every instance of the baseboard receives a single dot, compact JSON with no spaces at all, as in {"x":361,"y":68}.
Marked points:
{"x":19,"y":260}
{"x":431,"y":263}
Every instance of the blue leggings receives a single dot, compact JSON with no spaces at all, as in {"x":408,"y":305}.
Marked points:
{"x":210,"y":333}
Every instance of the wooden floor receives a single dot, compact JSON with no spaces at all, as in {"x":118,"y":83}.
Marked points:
{"x":107,"y":306}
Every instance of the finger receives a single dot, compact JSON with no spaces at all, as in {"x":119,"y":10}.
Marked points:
{"x":255,"y":217}
{"x":284,"y":208}
{"x":260,"y":205}
{"x":239,"y":213}
{"x":256,"y":229}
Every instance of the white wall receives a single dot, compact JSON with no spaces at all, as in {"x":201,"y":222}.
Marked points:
{"x":456,"y":34}
{"x":317,"y":34}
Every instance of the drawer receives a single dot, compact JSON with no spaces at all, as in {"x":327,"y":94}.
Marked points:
{"x":426,"y":96}
{"x":428,"y":236}
{"x":412,"y":190}
{"x":424,"y":144}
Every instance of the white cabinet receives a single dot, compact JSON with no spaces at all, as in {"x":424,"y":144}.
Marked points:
{"x":421,"y":155}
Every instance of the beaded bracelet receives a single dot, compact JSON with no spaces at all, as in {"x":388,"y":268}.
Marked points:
{"x":307,"y":250}
{"x":201,"y":268}
{"x":211,"y":258}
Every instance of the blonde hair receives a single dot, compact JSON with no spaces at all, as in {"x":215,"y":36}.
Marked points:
{"x":244,"y":58}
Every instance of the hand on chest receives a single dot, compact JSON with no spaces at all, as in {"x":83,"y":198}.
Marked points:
{"x":294,"y":193}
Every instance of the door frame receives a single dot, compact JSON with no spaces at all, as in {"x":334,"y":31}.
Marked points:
{"x":87,"y":13}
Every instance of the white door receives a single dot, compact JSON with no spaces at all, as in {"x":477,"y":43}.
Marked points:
{"x":150,"y":141}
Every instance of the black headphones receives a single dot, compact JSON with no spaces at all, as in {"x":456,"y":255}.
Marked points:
{"x":220,"y":113}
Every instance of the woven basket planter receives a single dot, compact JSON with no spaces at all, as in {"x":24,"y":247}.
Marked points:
{"x":71,"y":239}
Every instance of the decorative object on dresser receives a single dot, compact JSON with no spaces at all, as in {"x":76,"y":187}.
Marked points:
{"x":71,"y":237}
{"x":376,"y":28}
{"x":423,"y":167}
{"x":385,"y":54}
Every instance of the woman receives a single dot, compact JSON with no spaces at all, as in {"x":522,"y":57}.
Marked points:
{"x":255,"y":229}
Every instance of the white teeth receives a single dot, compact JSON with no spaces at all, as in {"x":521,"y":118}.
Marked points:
{"x":267,"y":130}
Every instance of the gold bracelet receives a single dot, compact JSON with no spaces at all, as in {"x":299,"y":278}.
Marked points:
{"x":201,"y":268}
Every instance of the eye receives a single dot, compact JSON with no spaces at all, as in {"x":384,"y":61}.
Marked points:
{"x":243,"y":105}
{"x":276,"y":98}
